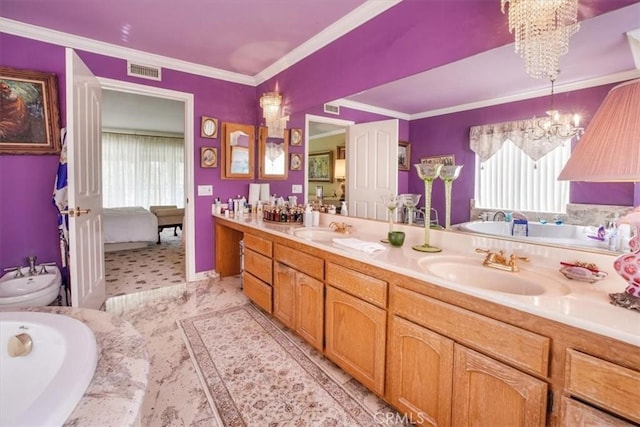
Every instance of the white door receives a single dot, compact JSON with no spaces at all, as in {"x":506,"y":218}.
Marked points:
{"x":372,"y":167}
{"x":84,"y":167}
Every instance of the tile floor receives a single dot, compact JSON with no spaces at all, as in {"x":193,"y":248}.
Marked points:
{"x":152,"y":303}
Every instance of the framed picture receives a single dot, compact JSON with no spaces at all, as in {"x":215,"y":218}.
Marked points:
{"x":404,"y":155}
{"x":342,"y":152}
{"x":448,"y":160}
{"x":296,"y":137}
{"x":208,"y":157}
{"x":29,"y":120}
{"x":209,"y":127}
{"x":321,"y":166}
{"x":295,"y":162}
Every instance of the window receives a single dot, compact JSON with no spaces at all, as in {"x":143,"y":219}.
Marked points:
{"x":142,"y":170}
{"x":511,"y":180}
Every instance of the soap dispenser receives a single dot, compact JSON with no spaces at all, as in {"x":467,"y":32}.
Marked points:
{"x":343,"y":209}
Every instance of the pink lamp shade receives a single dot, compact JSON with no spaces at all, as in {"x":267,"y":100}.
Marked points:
{"x":609,"y":150}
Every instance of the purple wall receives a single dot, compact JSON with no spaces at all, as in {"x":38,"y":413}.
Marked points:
{"x":27,"y":217}
{"x":449,"y":134}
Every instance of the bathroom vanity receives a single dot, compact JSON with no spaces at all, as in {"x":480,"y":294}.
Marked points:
{"x":442,"y":351}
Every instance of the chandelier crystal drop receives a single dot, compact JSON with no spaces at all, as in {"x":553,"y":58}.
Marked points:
{"x":271,"y":103}
{"x":542,"y":29}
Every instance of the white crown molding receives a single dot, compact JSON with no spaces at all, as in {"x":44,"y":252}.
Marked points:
{"x":371,"y":109}
{"x":567,"y":87}
{"x":21,"y":29}
{"x":365,"y":12}
{"x":357,"y":17}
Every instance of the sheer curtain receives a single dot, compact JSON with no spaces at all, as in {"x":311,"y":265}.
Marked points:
{"x":515,"y":172}
{"x":142,"y":170}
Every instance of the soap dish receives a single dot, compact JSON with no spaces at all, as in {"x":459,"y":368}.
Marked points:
{"x":582,"y":274}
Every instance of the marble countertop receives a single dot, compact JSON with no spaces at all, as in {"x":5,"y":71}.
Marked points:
{"x":115,"y":394}
{"x":585,"y":306}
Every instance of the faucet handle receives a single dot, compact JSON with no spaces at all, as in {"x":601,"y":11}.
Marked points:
{"x":43,"y":267}
{"x":17,"y":269}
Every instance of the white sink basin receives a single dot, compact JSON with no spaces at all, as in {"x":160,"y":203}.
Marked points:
{"x":470,"y":272}
{"x":324,"y":234}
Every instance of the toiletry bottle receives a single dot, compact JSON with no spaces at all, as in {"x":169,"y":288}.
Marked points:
{"x":308,"y":217}
{"x":316,"y":218}
{"x":343,"y":209}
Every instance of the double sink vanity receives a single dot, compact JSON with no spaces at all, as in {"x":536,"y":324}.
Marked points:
{"x":441,"y":337}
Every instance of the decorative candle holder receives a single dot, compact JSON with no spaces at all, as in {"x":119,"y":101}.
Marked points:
{"x":448,"y":174}
{"x":428,"y":173}
{"x":391,"y":202}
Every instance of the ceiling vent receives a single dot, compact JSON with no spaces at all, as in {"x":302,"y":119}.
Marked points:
{"x":332,"y":109}
{"x":144,"y":71}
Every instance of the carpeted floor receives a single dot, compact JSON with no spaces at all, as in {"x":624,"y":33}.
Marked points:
{"x":255,"y":372}
{"x":137,"y":270}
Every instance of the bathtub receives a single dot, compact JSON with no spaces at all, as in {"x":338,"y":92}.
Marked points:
{"x":564,"y":234}
{"x":43,"y":387}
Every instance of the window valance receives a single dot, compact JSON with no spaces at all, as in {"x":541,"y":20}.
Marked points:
{"x":486,"y":140}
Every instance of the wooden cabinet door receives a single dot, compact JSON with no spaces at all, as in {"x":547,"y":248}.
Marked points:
{"x":284,"y":295}
{"x":310,"y":309}
{"x":355,"y":333}
{"x":489,"y":393}
{"x":420,"y":373}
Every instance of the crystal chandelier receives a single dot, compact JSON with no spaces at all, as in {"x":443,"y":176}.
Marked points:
{"x":271,"y":103}
{"x":542,"y":29}
{"x":555,"y":127}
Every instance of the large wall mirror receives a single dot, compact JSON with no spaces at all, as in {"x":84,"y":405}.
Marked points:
{"x":273,"y":153}
{"x":238,"y":151}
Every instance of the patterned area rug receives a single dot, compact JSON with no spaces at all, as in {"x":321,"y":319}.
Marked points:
{"x":144,"y":269}
{"x":255,"y":373}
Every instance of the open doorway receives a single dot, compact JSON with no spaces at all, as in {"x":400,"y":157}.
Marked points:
{"x":327,"y":135}
{"x":155,"y":120}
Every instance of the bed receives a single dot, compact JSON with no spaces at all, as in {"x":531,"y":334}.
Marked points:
{"x":128,"y":228}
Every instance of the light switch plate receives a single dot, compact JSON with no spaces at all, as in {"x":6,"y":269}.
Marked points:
{"x":296,"y":189}
{"x":205,"y":190}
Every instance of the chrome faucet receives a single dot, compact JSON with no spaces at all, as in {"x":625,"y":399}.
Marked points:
{"x":32,"y":265}
{"x":500,"y":214}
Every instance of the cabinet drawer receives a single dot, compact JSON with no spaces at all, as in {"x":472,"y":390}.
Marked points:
{"x":258,"y":291}
{"x":603,"y":383}
{"x":508,"y":343}
{"x":574,"y":413}
{"x":308,"y":264}
{"x":258,"y":265}
{"x":258,"y":244}
{"x":358,"y":284}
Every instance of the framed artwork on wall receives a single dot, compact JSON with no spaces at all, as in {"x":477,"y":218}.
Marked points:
{"x":321,"y":166}
{"x":295,"y":162}
{"x":342,"y":152}
{"x":296,"y":137}
{"x":404,"y":155}
{"x":209,"y":127}
{"x":29,"y":120}
{"x":447,"y":160}
{"x":208,"y":157}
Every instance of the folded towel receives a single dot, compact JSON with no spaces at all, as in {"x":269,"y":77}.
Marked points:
{"x":360,"y":245}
